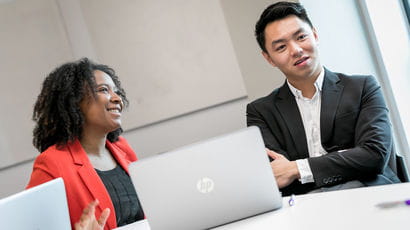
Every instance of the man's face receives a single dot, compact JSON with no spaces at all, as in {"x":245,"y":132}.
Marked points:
{"x":291,"y":46}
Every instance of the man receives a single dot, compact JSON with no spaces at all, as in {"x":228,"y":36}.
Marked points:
{"x":323,"y":130}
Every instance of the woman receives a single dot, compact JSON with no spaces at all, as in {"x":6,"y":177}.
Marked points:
{"x":78,"y":127}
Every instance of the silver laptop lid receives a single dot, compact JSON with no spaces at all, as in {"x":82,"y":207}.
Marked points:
{"x":207,"y":184}
{"x":43,"y":207}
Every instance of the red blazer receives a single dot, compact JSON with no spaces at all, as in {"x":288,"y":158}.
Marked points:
{"x":82,"y":183}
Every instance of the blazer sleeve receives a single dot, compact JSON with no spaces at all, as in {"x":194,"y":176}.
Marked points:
{"x":254,"y":118}
{"x":260,"y":114}
{"x":42,"y":172}
{"x":372,"y":143}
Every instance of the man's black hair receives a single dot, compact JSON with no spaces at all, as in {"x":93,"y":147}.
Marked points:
{"x":275,"y":12}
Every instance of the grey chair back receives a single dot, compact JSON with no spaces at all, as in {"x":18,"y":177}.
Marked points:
{"x":397,"y":163}
{"x":402,"y":170}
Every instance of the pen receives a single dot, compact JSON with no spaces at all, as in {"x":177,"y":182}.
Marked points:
{"x":391,"y":204}
{"x":292,"y":200}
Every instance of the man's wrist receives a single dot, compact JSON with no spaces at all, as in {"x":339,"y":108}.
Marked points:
{"x":305,"y":173}
{"x":295,"y":170}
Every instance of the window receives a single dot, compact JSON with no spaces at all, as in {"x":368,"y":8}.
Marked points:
{"x":406,"y":6}
{"x":388,"y":29}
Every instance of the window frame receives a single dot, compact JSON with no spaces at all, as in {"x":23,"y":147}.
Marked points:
{"x":399,"y":132}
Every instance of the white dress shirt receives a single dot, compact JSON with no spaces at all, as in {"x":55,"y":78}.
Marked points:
{"x":310,"y":112}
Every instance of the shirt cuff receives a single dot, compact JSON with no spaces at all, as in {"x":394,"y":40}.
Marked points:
{"x":306,"y":175}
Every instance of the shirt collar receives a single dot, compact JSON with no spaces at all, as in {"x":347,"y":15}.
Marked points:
{"x":318,"y":84}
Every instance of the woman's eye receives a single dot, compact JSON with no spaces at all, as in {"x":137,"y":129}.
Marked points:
{"x":103,"y":90}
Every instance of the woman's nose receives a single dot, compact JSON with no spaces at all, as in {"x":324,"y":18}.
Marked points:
{"x":115,"y":97}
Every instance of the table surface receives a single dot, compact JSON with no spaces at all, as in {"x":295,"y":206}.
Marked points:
{"x":346,"y":209}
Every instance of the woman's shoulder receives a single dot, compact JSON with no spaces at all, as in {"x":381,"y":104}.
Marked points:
{"x":56,"y":153}
{"x":52,"y":151}
{"x":49,"y":164}
{"x":123,"y":145}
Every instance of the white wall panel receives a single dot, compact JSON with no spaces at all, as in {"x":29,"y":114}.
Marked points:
{"x":173,"y":57}
{"x":32,"y":43}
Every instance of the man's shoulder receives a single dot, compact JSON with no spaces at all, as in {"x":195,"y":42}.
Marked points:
{"x":350,"y":78}
{"x":345,"y":76}
{"x":266,"y":99}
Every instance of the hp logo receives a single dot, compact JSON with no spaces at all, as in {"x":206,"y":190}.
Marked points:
{"x":205,"y":185}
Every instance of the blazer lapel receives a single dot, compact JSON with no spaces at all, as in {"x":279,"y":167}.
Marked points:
{"x":331,"y":93}
{"x":289,"y":110}
{"x":116,"y":152}
{"x":92,"y":181}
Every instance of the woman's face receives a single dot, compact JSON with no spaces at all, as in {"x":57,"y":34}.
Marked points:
{"x":103,"y":112}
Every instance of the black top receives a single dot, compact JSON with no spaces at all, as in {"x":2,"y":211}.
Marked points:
{"x":124,"y":198}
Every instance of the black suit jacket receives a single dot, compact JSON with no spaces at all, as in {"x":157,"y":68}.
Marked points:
{"x":354,"y":125}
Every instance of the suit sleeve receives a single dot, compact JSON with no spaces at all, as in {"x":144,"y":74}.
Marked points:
{"x":372,"y":143}
{"x":272,"y":141}
{"x":254,"y":118}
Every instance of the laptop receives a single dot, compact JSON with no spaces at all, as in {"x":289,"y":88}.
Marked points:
{"x":207,"y":184}
{"x":43,"y":207}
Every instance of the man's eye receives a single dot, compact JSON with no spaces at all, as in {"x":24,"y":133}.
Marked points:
{"x":301,"y":37}
{"x":279,"y":48}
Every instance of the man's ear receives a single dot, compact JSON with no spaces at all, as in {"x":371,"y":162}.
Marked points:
{"x":268,"y":58}
{"x":315,"y":35}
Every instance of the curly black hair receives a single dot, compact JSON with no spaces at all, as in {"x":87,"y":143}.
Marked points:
{"x":57,"y":113}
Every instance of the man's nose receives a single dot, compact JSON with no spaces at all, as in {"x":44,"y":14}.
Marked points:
{"x":296,"y":50}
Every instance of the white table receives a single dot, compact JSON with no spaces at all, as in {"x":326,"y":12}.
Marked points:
{"x":346,"y":209}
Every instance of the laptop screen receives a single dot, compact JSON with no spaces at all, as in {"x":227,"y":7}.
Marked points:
{"x":43,"y":207}
{"x":207,"y":184}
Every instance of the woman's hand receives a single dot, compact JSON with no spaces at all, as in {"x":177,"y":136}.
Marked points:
{"x":88,"y":221}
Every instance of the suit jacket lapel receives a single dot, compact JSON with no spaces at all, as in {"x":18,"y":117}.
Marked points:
{"x":289,"y":110}
{"x":331,"y":93}
{"x":92,"y":181}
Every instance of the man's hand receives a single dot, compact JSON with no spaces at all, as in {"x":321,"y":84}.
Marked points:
{"x":88,"y":221}
{"x":285,"y":171}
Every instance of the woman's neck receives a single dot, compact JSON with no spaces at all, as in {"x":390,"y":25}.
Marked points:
{"x":93,"y":144}
{"x":99,"y":156}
